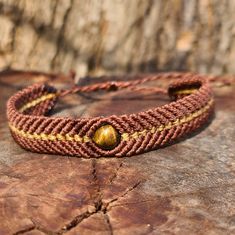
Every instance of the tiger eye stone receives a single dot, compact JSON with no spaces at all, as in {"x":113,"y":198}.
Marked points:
{"x":106,"y":137}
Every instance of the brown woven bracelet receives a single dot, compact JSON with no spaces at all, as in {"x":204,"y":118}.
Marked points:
{"x":123,"y":135}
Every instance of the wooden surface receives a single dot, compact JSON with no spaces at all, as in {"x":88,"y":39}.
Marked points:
{"x":185,"y":188}
{"x":101,"y":36}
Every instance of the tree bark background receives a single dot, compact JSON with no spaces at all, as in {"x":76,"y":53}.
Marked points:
{"x":103,"y":36}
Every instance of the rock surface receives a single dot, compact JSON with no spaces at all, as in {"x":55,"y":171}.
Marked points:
{"x":185,"y":188}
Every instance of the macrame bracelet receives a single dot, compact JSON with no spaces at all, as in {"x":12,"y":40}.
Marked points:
{"x":123,"y":135}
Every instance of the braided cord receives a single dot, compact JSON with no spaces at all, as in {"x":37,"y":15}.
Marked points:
{"x":191,"y":106}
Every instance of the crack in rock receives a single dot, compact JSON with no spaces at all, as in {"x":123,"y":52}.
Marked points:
{"x":77,"y":220}
{"x":123,"y":195}
{"x":98,"y":194}
{"x":97,"y":203}
{"x":99,"y":206}
{"x":116,"y":173}
{"x":108,"y":222}
{"x":25,"y":230}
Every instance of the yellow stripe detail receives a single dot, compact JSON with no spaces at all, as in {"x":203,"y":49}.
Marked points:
{"x":177,"y":122}
{"x":52,"y":95}
{"x":43,"y":136}
{"x":124,"y":136}
{"x":185,"y":92}
{"x":37,"y":101}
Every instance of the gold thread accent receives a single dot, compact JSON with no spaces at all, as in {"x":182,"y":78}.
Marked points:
{"x":43,"y":136}
{"x":135,"y":135}
{"x":52,"y":95}
{"x":37,"y":101}
{"x":124,"y":136}
{"x":86,"y":139}
{"x":177,"y":122}
{"x":77,"y":138}
{"x":185,"y":92}
{"x":68,"y":137}
{"x":60,"y":137}
{"x":153,"y":130}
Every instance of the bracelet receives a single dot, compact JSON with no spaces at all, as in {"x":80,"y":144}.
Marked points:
{"x":125,"y":135}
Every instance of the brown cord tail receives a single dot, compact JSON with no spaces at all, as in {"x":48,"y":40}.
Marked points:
{"x":118,"y":136}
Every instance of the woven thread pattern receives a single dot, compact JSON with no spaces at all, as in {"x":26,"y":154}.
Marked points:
{"x":140,"y":132}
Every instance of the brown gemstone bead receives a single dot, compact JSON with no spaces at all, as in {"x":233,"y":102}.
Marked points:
{"x":106,"y":137}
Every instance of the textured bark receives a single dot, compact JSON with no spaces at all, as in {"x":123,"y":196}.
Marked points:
{"x":103,"y":36}
{"x":185,"y":188}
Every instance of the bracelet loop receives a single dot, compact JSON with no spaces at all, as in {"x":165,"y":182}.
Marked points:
{"x":124,"y":135}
